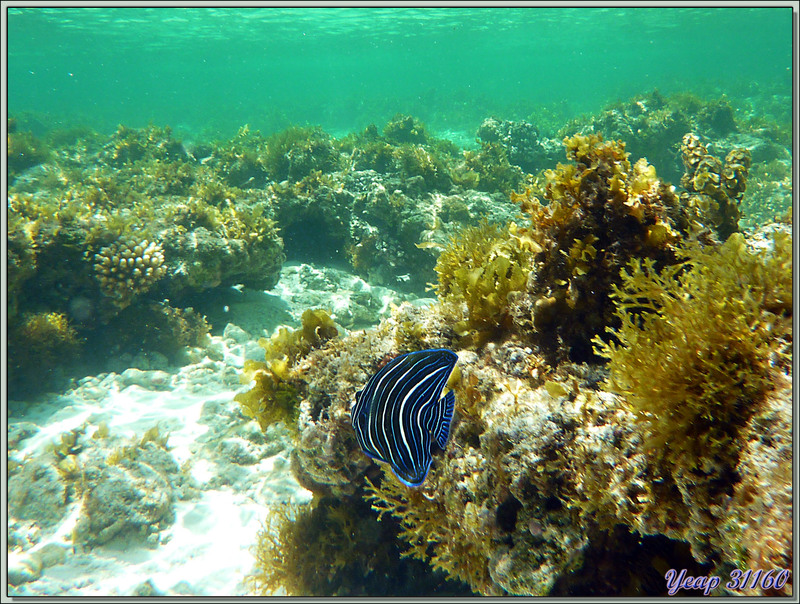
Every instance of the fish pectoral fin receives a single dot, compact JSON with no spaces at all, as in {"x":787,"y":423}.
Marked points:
{"x":442,"y":432}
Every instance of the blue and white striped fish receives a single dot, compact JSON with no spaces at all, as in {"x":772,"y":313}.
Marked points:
{"x":401,"y":412}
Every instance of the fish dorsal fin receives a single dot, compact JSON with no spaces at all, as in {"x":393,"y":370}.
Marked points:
{"x":442,"y":431}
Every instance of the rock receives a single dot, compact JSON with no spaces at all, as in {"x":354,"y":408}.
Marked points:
{"x":237,"y":451}
{"x":235,"y":333}
{"x":253,"y":352}
{"x":521,"y":141}
{"x":131,"y":499}
{"x":37,"y":493}
{"x":23,"y":535}
{"x":20,"y":571}
{"x":92,"y":393}
{"x":183,"y":588}
{"x":149,"y":380}
{"x":19,"y":431}
{"x":150,"y":360}
{"x":146,"y":589}
{"x":50,"y":554}
{"x":215,"y":349}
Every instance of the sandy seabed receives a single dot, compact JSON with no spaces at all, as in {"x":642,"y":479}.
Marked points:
{"x":232,"y":472}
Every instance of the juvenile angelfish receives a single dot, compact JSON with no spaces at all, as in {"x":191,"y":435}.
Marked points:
{"x":401,"y":412}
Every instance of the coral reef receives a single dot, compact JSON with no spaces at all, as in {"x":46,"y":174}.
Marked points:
{"x":547,"y":469}
{"x":208,"y":246}
{"x":488,"y":169}
{"x":600,"y":212}
{"x":523,"y":144}
{"x":129,"y":145}
{"x":241,"y":161}
{"x":406,"y":129}
{"x":110,"y":226}
{"x":702,"y":361}
{"x":698,"y":343}
{"x":623,"y":384}
{"x":374,"y":220}
{"x":652,"y":125}
{"x":297,"y":152}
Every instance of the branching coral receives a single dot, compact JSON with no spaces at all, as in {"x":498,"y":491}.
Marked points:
{"x":698,"y":343}
{"x":97,"y":229}
{"x":129,"y":267}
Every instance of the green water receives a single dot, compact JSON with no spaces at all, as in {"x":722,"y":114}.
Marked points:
{"x":217,"y":68}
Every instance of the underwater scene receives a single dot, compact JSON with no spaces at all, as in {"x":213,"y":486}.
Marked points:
{"x":376,"y":301}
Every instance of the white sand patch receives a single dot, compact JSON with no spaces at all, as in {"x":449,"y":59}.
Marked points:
{"x":235,"y":473}
{"x":206,"y":551}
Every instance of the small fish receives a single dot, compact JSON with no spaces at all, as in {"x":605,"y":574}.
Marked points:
{"x":401,"y":412}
